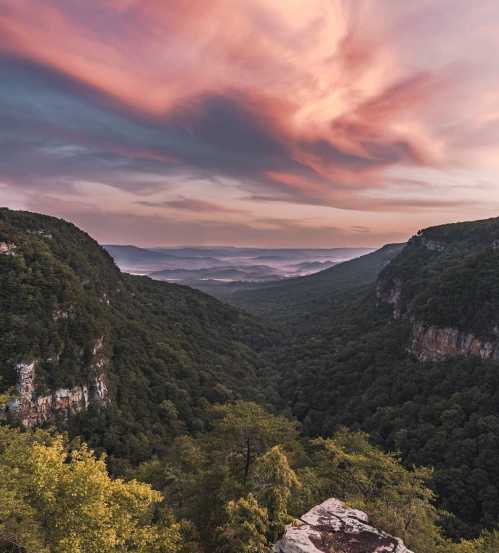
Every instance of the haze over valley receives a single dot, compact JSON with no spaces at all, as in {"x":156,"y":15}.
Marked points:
{"x":205,"y":267}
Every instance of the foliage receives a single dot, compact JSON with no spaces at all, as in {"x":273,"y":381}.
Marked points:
{"x":63,"y":501}
{"x":285,"y":480}
{"x":351,"y":367}
{"x":294,"y":299}
{"x":347,"y":466}
{"x":168,"y":351}
{"x":449,"y":276}
{"x":59,"y":498}
{"x":246,"y":527}
{"x":171,"y":353}
{"x":275,"y":481}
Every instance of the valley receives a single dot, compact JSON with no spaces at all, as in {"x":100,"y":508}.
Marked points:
{"x":399,"y":343}
{"x":222,"y":270}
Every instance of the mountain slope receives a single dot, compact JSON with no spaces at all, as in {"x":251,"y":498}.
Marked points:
{"x":447,"y":284}
{"x":293,"y":298}
{"x":132,"y":361}
{"x":364,"y":364}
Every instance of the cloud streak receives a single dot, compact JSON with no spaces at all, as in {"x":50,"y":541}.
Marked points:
{"x":325,"y":105}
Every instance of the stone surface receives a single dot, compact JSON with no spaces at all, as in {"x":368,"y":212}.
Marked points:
{"x":333,"y":527}
{"x":7,"y":249}
{"x":432,"y":245}
{"x":433,"y":343}
{"x":31,"y":409}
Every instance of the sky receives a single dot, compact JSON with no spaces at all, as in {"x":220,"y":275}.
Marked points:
{"x":250,"y":122}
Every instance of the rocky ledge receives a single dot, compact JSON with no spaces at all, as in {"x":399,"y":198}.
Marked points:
{"x":332,"y":526}
{"x":433,"y":343}
{"x":31,"y":409}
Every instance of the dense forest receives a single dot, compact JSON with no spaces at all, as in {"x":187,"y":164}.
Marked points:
{"x":230,"y":489}
{"x":169,"y":350}
{"x":220,"y":428}
{"x":351,"y":364}
{"x":287,"y":301}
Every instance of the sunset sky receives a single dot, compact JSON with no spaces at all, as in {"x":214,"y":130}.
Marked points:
{"x":250,"y":122}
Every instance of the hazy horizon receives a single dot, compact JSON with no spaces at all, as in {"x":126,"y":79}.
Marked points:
{"x":233,"y":246}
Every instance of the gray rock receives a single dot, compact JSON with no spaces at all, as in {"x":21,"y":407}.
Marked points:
{"x":334,"y":527}
{"x":433,"y":343}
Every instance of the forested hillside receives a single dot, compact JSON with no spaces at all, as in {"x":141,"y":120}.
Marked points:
{"x":292,"y":299}
{"x":363,"y":363}
{"x":183,"y":392}
{"x":163,"y":352}
{"x":232,"y":489}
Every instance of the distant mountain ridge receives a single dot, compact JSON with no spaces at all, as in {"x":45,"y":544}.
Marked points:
{"x":292,"y":298}
{"x":249,"y":264}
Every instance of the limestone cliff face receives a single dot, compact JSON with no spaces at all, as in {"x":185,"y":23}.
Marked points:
{"x":411,"y":284}
{"x":433,"y":343}
{"x":31,"y":409}
{"x":332,"y":526}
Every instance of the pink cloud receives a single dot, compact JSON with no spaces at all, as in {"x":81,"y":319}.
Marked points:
{"x":317,"y":102}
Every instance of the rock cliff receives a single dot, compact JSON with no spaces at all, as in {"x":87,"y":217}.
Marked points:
{"x":31,"y":409}
{"x":433,"y":343}
{"x":332,"y":526}
{"x":444,"y":284}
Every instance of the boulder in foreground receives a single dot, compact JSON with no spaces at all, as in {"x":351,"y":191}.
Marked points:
{"x":332,"y":526}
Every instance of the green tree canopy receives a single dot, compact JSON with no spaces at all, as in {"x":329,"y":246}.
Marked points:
{"x":57,"y":500}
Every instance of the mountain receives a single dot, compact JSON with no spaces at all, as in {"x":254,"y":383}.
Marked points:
{"x":446,"y":284}
{"x":400,"y":343}
{"x":123,"y":360}
{"x":411,"y":359}
{"x":297,"y":297}
{"x":143,"y":260}
{"x":314,"y":266}
{"x":248,"y":273}
{"x":221,"y":268}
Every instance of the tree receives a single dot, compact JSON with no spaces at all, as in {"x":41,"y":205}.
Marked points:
{"x":54,"y":500}
{"x":243,"y":430}
{"x":274,"y":480}
{"x":397,"y":499}
{"x":488,"y":542}
{"x":246,"y":527}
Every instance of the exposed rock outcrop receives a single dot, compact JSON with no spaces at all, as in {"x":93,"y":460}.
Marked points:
{"x":433,"y":343}
{"x":432,"y":245}
{"x":31,"y":409}
{"x":7,"y":248}
{"x":413,"y":287}
{"x":332,"y":526}
{"x":391,"y":294}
